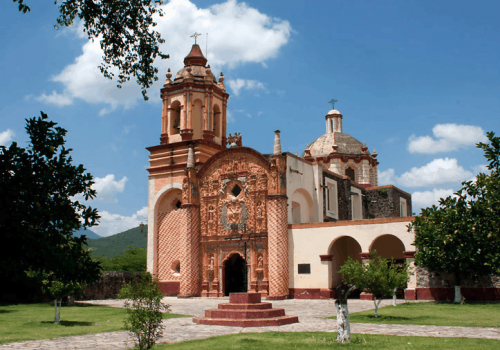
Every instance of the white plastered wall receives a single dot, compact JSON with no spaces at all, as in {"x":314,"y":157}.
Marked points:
{"x":305,"y":245}
{"x":303,"y":180}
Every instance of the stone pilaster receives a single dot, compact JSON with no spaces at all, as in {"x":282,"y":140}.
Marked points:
{"x":278,"y":247}
{"x":189,"y":242}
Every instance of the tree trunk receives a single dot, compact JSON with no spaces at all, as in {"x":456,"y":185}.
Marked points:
{"x":57,"y":317}
{"x":344,"y":335}
{"x":394,"y":297}
{"x":458,"y":296}
{"x":377,"y":303}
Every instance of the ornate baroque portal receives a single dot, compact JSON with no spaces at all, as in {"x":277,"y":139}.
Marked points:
{"x":233,"y":203}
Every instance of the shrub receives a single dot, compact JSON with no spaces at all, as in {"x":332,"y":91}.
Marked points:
{"x":144,"y":308}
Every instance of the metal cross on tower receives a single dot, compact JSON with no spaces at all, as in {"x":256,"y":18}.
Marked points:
{"x":195,"y":35}
{"x":333,"y":103}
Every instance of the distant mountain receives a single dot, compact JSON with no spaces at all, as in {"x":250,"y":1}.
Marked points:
{"x":89,"y":233}
{"x":115,"y":244}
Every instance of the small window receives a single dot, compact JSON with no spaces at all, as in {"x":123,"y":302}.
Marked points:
{"x":351,"y":173}
{"x":304,"y":268}
{"x":236,"y":190}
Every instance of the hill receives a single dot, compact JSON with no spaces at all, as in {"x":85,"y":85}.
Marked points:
{"x":115,"y":244}
{"x":89,"y":233}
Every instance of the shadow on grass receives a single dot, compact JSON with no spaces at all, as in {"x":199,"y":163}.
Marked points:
{"x":7,"y":311}
{"x":382,"y":318}
{"x":71,"y":323}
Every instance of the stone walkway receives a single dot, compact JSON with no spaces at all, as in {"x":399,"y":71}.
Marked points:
{"x":310,"y":312}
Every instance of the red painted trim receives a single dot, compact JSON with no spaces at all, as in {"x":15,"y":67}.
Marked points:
{"x":409,"y":254}
{"x":172,"y":288}
{"x":326,"y":257}
{"x":410,"y":294}
{"x":449,"y":293}
{"x":311,"y":293}
{"x":366,"y":296}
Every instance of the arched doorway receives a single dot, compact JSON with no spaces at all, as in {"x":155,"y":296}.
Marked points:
{"x":343,"y":248}
{"x":235,"y":273}
{"x":390,"y":247}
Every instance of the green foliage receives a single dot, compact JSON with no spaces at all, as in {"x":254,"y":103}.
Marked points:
{"x":132,"y":259}
{"x":53,"y":287}
{"x":379,"y":276}
{"x":144,"y":308}
{"x":124,"y":29}
{"x":461,"y":235}
{"x":38,"y":212}
{"x":383,"y":192}
{"x":115,"y":244}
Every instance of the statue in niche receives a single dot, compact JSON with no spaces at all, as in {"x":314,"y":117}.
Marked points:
{"x":260,"y":210}
{"x":234,"y":210}
{"x":211,"y":262}
{"x":260,"y":262}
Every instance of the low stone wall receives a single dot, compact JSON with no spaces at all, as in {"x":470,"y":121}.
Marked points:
{"x":427,"y":279}
{"x":438,"y":286}
{"x":108,"y":286}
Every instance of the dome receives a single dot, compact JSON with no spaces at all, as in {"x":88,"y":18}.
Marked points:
{"x":196,"y":62}
{"x":333,"y":111}
{"x":346,"y":144}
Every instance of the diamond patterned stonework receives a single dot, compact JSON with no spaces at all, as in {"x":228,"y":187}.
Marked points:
{"x":168,"y":245}
{"x":278,"y":247}
{"x":189,"y":239}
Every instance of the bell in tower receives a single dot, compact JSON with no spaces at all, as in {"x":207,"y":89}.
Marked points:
{"x":194,"y":103}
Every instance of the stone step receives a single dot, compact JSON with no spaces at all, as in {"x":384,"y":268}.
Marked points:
{"x":244,"y":313}
{"x":256,"y":322}
{"x":244,"y":298}
{"x":258,"y":306}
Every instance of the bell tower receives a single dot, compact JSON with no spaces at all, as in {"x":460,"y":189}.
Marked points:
{"x":194,"y":103}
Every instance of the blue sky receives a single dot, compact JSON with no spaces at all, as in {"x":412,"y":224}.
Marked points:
{"x":417,"y":80}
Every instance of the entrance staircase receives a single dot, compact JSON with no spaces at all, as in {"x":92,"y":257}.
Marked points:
{"x":246,"y":310}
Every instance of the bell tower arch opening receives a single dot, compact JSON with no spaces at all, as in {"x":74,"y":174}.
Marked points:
{"x":175,"y":118}
{"x":235,"y":275}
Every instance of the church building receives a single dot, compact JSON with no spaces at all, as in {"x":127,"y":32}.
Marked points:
{"x":226,"y":218}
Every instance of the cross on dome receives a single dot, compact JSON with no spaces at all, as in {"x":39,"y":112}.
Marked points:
{"x":195,"y":35}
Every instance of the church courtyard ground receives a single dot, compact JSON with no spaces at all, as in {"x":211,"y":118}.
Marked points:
{"x":312,"y":318}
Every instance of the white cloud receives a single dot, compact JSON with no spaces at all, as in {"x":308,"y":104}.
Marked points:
{"x":111,"y":224}
{"x":107,"y":187}
{"x":439,"y":171}
{"x":238,"y":84}
{"x":428,"y":198}
{"x":60,"y":100}
{"x":386,"y":177}
{"x":238,"y":34}
{"x":6,"y":136}
{"x":447,"y":137}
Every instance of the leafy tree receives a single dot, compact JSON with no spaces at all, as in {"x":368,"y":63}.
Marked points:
{"x":461,"y":235}
{"x":132,"y":259}
{"x":55,"y":288}
{"x":144,"y":308}
{"x":379,"y":276}
{"x":124,"y":29}
{"x":38,"y":212}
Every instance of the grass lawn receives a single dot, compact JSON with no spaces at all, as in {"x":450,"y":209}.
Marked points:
{"x":20,"y":322}
{"x":438,"y":314}
{"x":320,"y":340}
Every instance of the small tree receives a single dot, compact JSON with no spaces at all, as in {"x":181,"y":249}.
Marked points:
{"x":144,"y":308}
{"x":462,"y":235}
{"x":55,"y":288}
{"x":378,"y":276}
